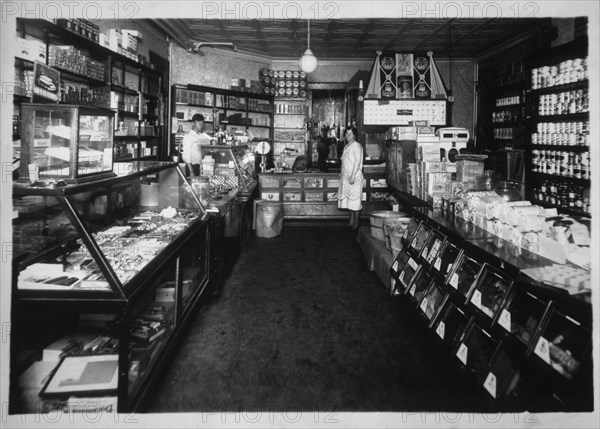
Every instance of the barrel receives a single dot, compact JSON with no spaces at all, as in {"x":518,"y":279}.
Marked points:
{"x":269,"y":218}
{"x":377,"y":219}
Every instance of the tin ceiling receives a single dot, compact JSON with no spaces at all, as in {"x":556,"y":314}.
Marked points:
{"x":353,"y":39}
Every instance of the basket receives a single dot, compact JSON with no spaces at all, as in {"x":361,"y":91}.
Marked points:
{"x":394,"y":223}
{"x":377,"y":219}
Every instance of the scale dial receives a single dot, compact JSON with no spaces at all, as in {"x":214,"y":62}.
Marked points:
{"x":263,"y":148}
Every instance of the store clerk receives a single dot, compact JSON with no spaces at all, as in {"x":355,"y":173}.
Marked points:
{"x":195,"y":137}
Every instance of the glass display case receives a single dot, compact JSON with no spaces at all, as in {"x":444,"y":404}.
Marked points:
{"x":452,"y":324}
{"x":228,"y":167}
{"x":476,"y":349}
{"x":446,"y":259}
{"x":504,"y":378}
{"x":62,"y":142}
{"x":410,"y":230}
{"x":420,"y":238}
{"x":563,"y":343}
{"x":398,"y":267}
{"x":419,"y":286}
{"x":123,"y":260}
{"x":522,"y":315}
{"x":433,"y":301}
{"x":490,"y":291}
{"x":432,"y":247}
{"x":409,"y":272}
{"x":464,"y":275}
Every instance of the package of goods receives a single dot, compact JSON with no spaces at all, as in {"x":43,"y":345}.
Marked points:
{"x":69,"y":345}
{"x":468,"y":171}
{"x":30,"y":49}
{"x":437,"y":183}
{"x":48,"y":276}
{"x":505,"y":209}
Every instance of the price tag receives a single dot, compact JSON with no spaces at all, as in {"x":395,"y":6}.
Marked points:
{"x":504,"y":319}
{"x":395,"y":266}
{"x":454,"y":281}
{"x":542,"y":349}
{"x":412,"y":289}
{"x":449,"y":268}
{"x":476,"y":299}
{"x":425,"y":253}
{"x":413,"y":264}
{"x":462,"y":353}
{"x":438,"y":264}
{"x":441,"y":330}
{"x":490,"y":384}
{"x":424,"y":304}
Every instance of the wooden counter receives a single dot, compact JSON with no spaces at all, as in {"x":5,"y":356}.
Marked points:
{"x":313,"y":195}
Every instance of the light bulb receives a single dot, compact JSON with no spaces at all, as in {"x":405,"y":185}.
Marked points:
{"x":308,"y":62}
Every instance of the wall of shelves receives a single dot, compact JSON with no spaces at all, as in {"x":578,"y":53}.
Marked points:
{"x":557,"y":129}
{"x":229,"y":110}
{"x":94,"y":75}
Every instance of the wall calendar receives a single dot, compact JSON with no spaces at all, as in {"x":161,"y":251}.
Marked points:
{"x":404,"y":112}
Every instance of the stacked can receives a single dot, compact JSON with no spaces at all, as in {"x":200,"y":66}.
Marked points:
{"x":565,"y":72}
{"x":562,"y":133}
{"x":282,"y":83}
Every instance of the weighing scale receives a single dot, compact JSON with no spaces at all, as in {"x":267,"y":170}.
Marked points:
{"x":263,"y":148}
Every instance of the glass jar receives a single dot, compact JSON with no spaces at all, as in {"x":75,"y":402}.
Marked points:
{"x":201,"y":187}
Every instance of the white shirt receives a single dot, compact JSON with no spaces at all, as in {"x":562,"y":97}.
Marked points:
{"x":190,"y":146}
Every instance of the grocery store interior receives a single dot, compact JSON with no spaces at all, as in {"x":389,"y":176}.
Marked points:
{"x":334,"y":213}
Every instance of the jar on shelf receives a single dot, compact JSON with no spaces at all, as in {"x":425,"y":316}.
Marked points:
{"x":201,"y":187}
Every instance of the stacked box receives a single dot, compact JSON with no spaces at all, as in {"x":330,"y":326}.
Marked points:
{"x":75,"y":61}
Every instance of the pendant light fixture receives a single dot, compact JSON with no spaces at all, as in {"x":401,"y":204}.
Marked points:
{"x":308,"y":61}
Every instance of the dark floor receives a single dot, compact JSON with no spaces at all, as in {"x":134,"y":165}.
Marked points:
{"x":302,"y":324}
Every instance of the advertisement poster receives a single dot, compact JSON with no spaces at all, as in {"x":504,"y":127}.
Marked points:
{"x":46,"y":82}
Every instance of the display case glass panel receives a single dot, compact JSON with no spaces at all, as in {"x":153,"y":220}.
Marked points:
{"x":420,"y":285}
{"x":490,"y":291}
{"x":433,"y":300}
{"x":464,"y":275}
{"x":229,"y":167}
{"x":446,"y":259}
{"x":420,"y":237}
{"x":503,"y":379}
{"x":452,"y":324}
{"x":410,"y":230}
{"x":432,"y":246}
{"x":522,"y":315}
{"x":476,"y":350}
{"x":66,"y":143}
{"x":409,"y":272}
{"x":399,"y":264}
{"x":194,"y":270}
{"x":563,"y":344}
{"x":151,"y":325}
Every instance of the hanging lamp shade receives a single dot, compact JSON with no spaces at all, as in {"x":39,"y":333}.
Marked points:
{"x":308,"y":61}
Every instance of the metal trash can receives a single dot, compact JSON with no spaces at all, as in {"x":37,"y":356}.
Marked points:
{"x":269,"y":218}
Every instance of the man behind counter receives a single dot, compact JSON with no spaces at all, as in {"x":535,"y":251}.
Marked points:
{"x":191,"y":153}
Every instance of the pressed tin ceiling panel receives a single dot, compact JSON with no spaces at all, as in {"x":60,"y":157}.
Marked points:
{"x":354,"y":39}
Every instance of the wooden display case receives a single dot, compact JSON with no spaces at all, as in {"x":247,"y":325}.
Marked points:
{"x":314,"y":195}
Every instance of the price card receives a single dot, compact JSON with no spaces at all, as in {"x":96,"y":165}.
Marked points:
{"x":413,"y":264}
{"x":412,"y":289}
{"x":395,"y":266}
{"x":441,"y":330}
{"x":462,"y":353}
{"x":425,"y":253}
{"x":504,"y":319}
{"x":542,"y":349}
{"x":438,"y":264}
{"x":476,"y":299}
{"x":454,"y":281}
{"x":424,"y":304}
{"x":490,"y":384}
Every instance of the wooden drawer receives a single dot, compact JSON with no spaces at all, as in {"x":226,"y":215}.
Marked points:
{"x":270,"y":196}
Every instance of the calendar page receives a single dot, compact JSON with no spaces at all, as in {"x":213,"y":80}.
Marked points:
{"x":404,"y":112}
